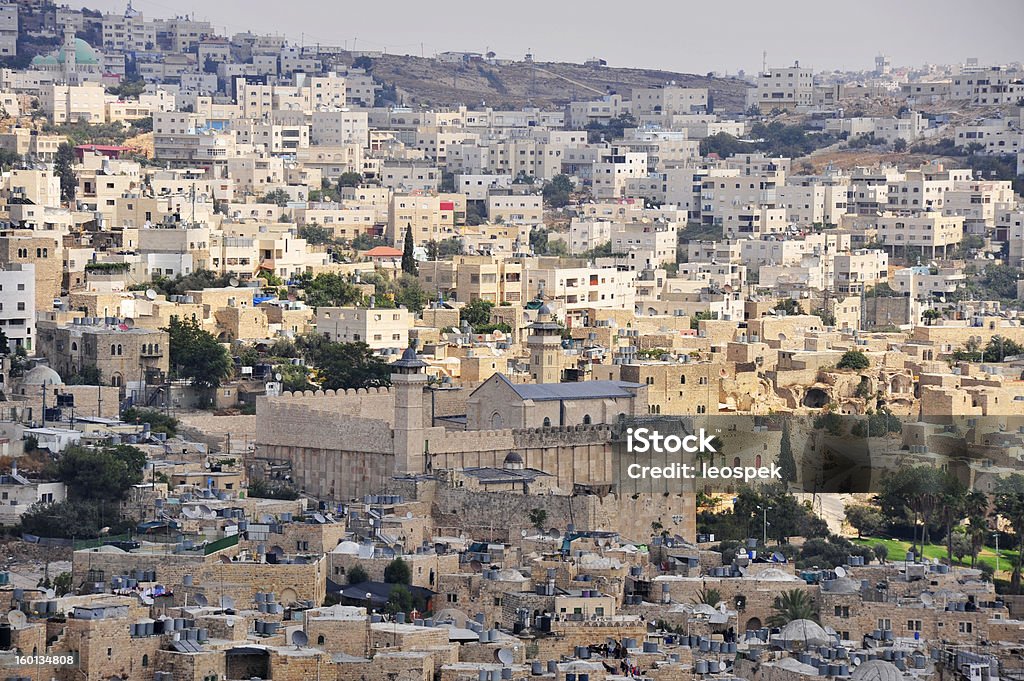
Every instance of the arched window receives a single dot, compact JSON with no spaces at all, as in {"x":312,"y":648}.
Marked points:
{"x":587,"y":420}
{"x":682,"y":380}
{"x":113,"y":349}
{"x":757,"y":461}
{"x":547,"y":422}
{"x":496,"y":421}
{"x":119,"y":349}
{"x":74,"y":346}
{"x":320,"y":640}
{"x":145,"y":660}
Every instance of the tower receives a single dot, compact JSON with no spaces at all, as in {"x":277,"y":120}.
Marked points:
{"x":545,"y":344}
{"x":407,"y":382}
{"x":70,"y":57}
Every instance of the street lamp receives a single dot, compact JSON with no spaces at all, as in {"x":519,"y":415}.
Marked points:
{"x":995,"y":576}
{"x":764,"y":526}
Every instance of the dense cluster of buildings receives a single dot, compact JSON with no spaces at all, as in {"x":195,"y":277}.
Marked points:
{"x":632,"y":273}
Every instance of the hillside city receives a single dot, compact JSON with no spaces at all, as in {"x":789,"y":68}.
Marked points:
{"x":327,"y":363}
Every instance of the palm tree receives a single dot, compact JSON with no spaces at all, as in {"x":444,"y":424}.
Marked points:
{"x":707,"y":596}
{"x":976,"y":511}
{"x":794,"y":604}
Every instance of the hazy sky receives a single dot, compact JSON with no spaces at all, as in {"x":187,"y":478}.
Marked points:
{"x":682,"y":35}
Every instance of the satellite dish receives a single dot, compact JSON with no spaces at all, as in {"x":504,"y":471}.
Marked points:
{"x":50,"y":593}
{"x":151,"y":293}
{"x":523,"y":533}
{"x":200,"y":600}
{"x":476,"y":565}
{"x":554,"y":533}
{"x":927,"y":599}
{"x":299,"y":638}
{"x":233,"y":281}
{"x":129,"y":323}
{"x":505,"y":656}
{"x":840,"y":572}
{"x":17,"y":619}
{"x":277,"y":376}
{"x":408,"y":515}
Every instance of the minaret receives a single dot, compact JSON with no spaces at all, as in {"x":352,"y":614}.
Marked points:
{"x":407,"y":382}
{"x":545,"y":344}
{"x":70,"y":58}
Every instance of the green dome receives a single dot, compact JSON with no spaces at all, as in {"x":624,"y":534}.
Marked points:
{"x":84,"y":55}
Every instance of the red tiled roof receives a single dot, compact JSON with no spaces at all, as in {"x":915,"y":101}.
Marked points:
{"x":383,"y":252}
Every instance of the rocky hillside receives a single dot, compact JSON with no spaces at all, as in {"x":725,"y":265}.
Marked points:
{"x":546,"y":84}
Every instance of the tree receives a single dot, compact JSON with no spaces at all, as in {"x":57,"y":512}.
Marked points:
{"x":399,"y":600}
{"x":63,"y":584}
{"x":350,"y":179}
{"x":930,"y":315}
{"x":408,"y":292}
{"x":787,"y":464}
{"x":558,"y":191}
{"x":853,"y":359}
{"x":278,"y":197}
{"x":881,"y":552}
{"x":865,"y":519}
{"x":343,"y":366}
{"x":398,"y":572}
{"x":329,"y":289}
{"x":794,"y":604}
{"x":357,"y":575}
{"x":538,"y":517}
{"x":408,"y":259}
{"x":476,"y":312}
{"x":999,"y":348}
{"x":899,"y":146}
{"x":789,"y":306}
{"x":63,"y":167}
{"x":1009,"y":504}
{"x":708,"y":596}
{"x":88,"y":374}
{"x":196,"y":355}
{"x":158,"y":421}
{"x":975,"y":509}
{"x":315,"y":234}
{"x":100,"y":473}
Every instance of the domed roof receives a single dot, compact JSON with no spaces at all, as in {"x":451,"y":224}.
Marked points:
{"x":84,"y":55}
{"x":544,"y":309}
{"x":410,"y":353}
{"x":804,"y":631}
{"x":41,"y":374}
{"x":877,"y":670}
{"x":513,"y":459}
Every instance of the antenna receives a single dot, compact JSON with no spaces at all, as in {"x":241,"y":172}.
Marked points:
{"x":299,"y":638}
{"x":840,"y":572}
{"x":200,"y":600}
{"x":505,"y":656}
{"x":151,"y":293}
{"x":233,"y":281}
{"x":927,"y":599}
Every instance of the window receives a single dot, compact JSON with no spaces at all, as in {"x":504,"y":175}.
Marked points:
{"x":966,"y":627}
{"x":913,"y":625}
{"x":587,"y":420}
{"x":884,"y":623}
{"x":547,"y":422}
